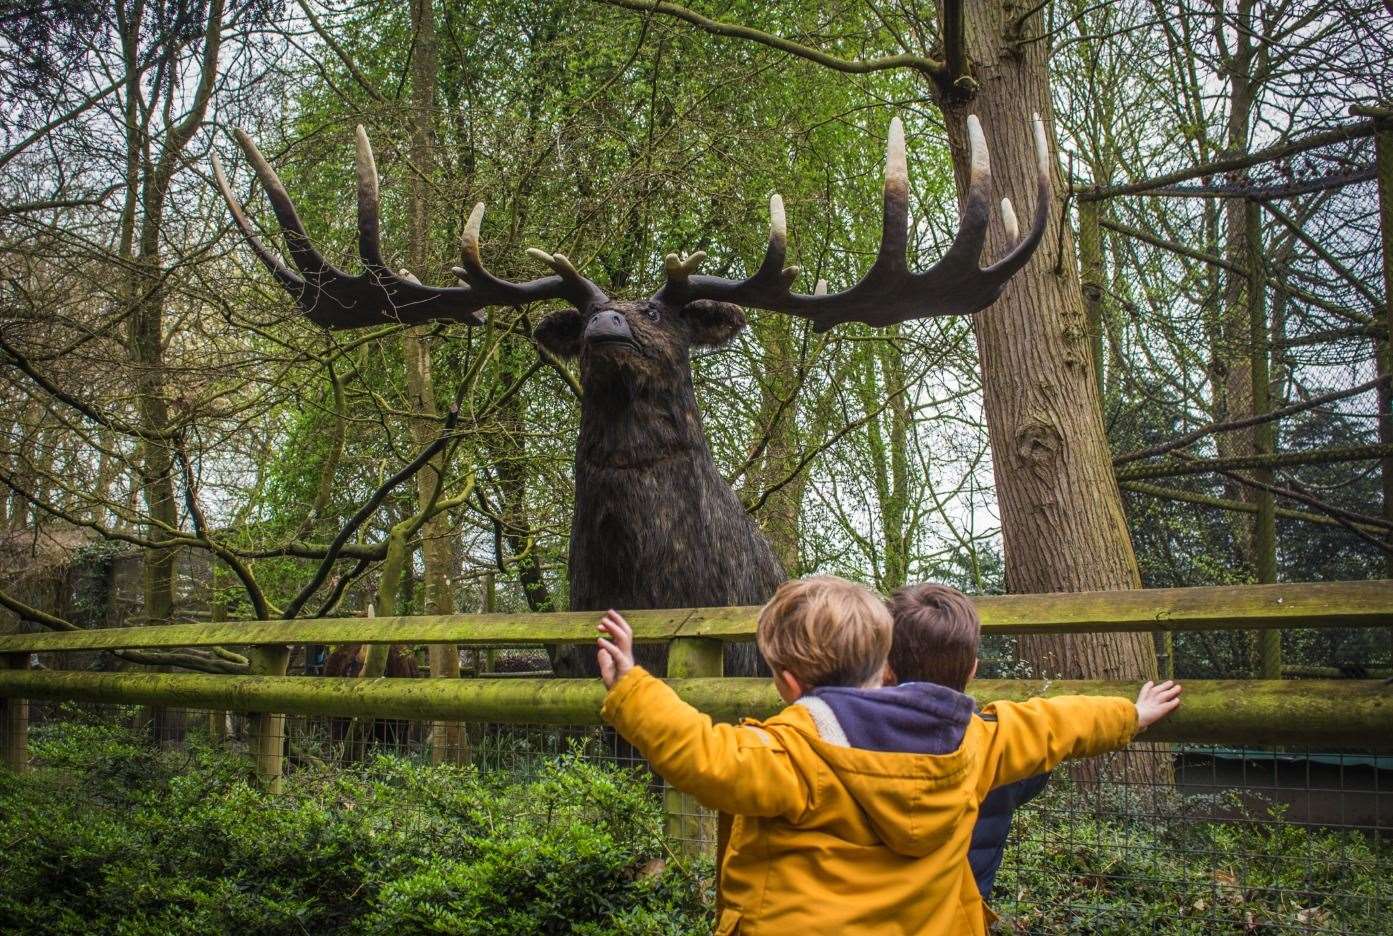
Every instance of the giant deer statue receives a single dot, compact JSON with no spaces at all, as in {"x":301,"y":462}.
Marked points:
{"x":655,"y":525}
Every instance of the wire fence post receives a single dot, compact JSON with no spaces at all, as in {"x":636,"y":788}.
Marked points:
{"x":691,"y":830}
{"x":1383,"y":159}
{"x":14,"y":720}
{"x":1383,"y":148}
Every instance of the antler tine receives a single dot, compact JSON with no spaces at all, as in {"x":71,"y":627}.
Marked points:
{"x":309,"y":260}
{"x":966,"y":249}
{"x":679,"y":269}
{"x":894,"y":233}
{"x":1044,"y":197}
{"x":771,"y":269}
{"x":287,"y":277}
{"x":472,"y":270}
{"x":1008,"y":219}
{"x":469,"y":245}
{"x":369,"y":223}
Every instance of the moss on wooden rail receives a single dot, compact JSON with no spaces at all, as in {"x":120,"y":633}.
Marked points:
{"x":1328,"y":713}
{"x":1236,"y":607}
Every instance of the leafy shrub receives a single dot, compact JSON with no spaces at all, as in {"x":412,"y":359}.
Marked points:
{"x":1106,"y":863}
{"x":110,"y":835}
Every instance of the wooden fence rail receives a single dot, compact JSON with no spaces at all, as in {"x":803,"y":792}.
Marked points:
{"x":1337,"y":713}
{"x":1269,"y":712}
{"x":1326,"y":713}
{"x":1239,"y":607}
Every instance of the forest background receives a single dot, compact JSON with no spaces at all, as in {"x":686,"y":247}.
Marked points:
{"x":160,"y":390}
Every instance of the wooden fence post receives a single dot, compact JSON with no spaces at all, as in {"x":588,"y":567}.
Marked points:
{"x":217,"y":613}
{"x":1383,"y":156}
{"x":266,"y":732}
{"x":691,"y":830}
{"x":14,"y":720}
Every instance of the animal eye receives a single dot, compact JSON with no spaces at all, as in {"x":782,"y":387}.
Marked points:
{"x":653,"y":313}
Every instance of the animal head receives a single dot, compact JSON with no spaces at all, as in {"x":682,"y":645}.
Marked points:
{"x":644,"y":343}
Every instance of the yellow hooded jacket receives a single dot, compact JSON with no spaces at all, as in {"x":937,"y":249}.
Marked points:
{"x":829,"y":838}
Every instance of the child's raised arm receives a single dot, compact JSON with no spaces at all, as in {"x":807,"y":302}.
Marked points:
{"x":1033,"y":737}
{"x":732,"y":768}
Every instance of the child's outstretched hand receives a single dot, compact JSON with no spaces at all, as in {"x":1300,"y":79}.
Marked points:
{"x":1156,"y":702}
{"x":615,"y":654}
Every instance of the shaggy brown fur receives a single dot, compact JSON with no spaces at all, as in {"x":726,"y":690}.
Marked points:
{"x":655,"y":526}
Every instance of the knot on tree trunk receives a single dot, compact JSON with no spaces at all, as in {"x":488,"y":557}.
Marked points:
{"x":1036,"y":446}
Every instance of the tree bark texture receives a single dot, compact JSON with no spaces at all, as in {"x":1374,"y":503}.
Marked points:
{"x":1063,"y":525}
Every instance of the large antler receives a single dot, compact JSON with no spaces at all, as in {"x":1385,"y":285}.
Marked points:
{"x":335,"y":299}
{"x":890,"y":292}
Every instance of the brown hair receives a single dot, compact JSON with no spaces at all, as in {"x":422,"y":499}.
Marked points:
{"x":936,"y":635}
{"x":826,"y":631}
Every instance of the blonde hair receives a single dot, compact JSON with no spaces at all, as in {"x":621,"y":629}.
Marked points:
{"x":826,"y":631}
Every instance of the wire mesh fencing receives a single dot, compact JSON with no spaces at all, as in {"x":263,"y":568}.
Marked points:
{"x":1173,"y":839}
{"x":1228,"y":840}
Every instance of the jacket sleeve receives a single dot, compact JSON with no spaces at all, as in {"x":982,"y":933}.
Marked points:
{"x":731,"y":768}
{"x":1032,"y":737}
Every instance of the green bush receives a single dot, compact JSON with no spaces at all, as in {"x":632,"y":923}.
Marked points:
{"x":109,"y":835}
{"x":1109,"y":864}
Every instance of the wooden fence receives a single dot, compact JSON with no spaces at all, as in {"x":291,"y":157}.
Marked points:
{"x":1332,"y":713}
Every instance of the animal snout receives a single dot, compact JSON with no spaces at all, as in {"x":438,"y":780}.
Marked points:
{"x":608,"y":325}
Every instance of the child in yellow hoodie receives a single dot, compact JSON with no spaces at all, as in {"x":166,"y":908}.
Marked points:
{"x":854,"y":806}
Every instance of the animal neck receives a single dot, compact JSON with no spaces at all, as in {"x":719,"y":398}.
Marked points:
{"x":627,"y":426}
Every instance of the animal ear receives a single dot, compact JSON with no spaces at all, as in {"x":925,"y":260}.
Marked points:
{"x":711,"y":322}
{"x":560,"y":333}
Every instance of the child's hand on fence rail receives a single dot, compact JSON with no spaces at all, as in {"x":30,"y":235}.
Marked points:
{"x":615,"y":655}
{"x":1156,"y":702}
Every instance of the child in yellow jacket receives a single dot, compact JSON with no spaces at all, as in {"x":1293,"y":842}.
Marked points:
{"x":853,"y":806}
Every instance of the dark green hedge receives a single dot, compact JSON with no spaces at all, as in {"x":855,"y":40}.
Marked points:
{"x":109,"y":835}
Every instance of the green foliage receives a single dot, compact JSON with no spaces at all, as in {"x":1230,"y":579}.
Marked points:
{"x":110,"y":835}
{"x":1113,"y":866}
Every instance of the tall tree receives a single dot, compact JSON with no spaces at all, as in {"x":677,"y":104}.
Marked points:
{"x":155,"y":144}
{"x":437,"y":542}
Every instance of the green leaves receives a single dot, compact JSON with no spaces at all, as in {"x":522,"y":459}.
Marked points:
{"x":178,"y":842}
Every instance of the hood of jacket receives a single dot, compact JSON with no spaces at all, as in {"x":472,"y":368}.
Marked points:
{"x":898,"y":752}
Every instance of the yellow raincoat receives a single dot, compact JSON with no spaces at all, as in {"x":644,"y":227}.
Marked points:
{"x":835,"y":839}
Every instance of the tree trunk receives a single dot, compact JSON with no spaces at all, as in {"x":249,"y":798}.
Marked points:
{"x":146,"y":294}
{"x":1063,"y":525}
{"x":776,"y":427}
{"x":445,"y":738}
